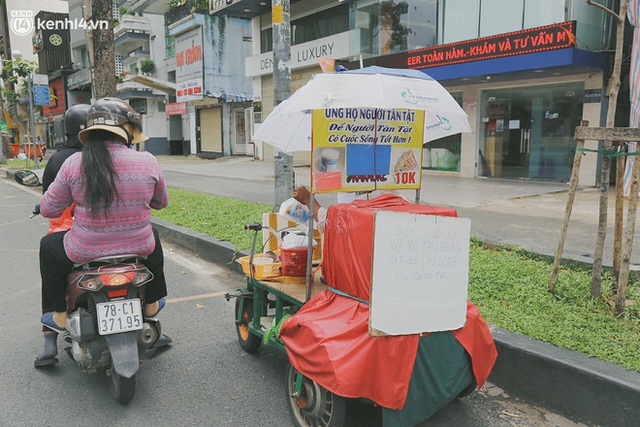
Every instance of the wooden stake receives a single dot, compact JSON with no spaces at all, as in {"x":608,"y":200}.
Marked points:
{"x":567,"y":212}
{"x":619,"y":217}
{"x":631,"y":227}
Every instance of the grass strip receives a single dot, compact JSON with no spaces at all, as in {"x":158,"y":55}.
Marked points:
{"x":508,"y":284}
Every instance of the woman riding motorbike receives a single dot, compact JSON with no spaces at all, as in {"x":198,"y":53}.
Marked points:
{"x":114,"y":188}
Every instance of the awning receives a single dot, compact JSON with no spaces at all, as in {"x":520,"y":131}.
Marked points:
{"x":164,"y":86}
{"x":231,"y":97}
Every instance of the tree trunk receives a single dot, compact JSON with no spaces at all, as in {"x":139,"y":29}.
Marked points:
{"x":104,"y":62}
{"x":596,"y":274}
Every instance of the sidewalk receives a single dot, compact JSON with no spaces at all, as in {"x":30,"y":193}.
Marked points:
{"x":527,"y":214}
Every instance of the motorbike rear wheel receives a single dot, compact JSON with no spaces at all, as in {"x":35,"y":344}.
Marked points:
{"x":122,"y":389}
{"x":248,"y":341}
{"x":314,"y":406}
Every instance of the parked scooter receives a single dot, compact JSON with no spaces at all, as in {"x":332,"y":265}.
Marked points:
{"x":105,"y":325}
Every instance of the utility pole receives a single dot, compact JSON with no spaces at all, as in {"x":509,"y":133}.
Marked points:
{"x":32,"y":122}
{"x":281,"y":28}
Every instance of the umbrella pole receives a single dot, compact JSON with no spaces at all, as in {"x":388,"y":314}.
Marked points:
{"x":309,"y":281}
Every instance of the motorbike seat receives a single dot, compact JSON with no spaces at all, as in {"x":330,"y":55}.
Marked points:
{"x":110,"y":260}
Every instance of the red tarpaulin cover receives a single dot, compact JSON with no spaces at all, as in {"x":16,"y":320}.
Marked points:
{"x":328,"y":339}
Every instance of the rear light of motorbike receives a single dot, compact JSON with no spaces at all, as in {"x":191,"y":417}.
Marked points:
{"x":95,"y":282}
{"x":117,"y":279}
{"x":141,"y":277}
{"x":92,"y":283}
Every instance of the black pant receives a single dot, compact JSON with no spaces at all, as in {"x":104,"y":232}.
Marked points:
{"x":55,"y":265}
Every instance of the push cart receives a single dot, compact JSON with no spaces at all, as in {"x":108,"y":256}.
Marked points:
{"x":375,"y":328}
{"x":324,"y":330}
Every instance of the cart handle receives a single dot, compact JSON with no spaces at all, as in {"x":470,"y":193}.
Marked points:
{"x":259,"y":227}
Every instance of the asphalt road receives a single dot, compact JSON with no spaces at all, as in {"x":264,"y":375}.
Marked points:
{"x":203,"y":379}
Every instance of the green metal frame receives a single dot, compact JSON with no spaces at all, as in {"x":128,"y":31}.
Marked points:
{"x":258,"y":291}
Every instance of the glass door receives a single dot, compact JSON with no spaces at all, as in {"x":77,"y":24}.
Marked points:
{"x":528,"y":132}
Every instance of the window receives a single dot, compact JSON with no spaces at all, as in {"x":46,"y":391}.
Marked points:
{"x":308,"y":28}
{"x":391,"y":26}
{"x":139,"y":104}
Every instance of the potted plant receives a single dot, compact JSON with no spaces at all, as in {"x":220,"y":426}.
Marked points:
{"x":147,"y":66}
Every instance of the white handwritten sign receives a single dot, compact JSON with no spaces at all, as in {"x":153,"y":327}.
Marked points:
{"x":420,"y":273}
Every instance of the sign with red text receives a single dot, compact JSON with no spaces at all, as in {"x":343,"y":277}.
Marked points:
{"x":549,"y":37}
{"x":175,"y":108}
{"x":363,"y":149}
{"x":189,"y":65}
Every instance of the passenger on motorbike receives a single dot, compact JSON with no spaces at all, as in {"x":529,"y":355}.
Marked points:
{"x":75,"y":119}
{"x":114,"y":188}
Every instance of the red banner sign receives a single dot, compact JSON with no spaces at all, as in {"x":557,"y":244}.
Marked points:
{"x":175,"y":108}
{"x":550,"y":37}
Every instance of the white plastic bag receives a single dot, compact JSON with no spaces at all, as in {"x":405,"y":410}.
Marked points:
{"x":293,"y":210}
{"x":296,"y":240}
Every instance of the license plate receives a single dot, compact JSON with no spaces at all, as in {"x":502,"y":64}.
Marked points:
{"x":119,"y":316}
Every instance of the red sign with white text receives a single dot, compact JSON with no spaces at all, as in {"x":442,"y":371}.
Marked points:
{"x":549,"y":37}
{"x":175,"y":108}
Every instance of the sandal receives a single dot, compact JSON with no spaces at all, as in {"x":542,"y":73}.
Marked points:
{"x":47,"y":320}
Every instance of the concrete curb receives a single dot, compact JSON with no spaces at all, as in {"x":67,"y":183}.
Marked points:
{"x":208,"y":248}
{"x":568,"y":382}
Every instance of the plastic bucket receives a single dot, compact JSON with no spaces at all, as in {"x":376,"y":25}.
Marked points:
{"x":294,"y":262}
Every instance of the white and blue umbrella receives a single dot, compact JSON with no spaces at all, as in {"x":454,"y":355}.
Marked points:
{"x":288,"y":127}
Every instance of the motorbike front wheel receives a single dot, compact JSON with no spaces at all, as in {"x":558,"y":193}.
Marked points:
{"x":314,"y":405}
{"x":122,"y":389}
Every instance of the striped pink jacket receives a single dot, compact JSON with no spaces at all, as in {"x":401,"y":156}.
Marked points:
{"x":126,"y":229}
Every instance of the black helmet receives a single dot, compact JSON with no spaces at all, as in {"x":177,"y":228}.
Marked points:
{"x":111,"y":115}
{"x":75,"y":119}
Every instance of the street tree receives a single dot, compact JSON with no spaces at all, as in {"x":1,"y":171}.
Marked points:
{"x":103,"y":65}
{"x":14,"y":73}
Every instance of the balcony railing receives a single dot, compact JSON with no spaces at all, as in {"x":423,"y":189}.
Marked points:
{"x":191,"y":6}
{"x":130,"y":23}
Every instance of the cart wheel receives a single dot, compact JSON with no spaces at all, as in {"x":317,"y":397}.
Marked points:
{"x":248,"y":341}
{"x":315,"y":406}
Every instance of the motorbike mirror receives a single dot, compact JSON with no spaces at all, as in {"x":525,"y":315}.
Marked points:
{"x":28,"y":178}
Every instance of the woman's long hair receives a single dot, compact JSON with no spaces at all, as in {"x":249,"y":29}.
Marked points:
{"x":100,"y":186}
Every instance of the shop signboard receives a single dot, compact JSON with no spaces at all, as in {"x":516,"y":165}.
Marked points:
{"x":175,"y":108}
{"x":189,"y":65}
{"x":539,"y":39}
{"x":363,"y":149}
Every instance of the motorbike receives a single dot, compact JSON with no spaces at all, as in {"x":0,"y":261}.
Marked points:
{"x":105,"y":327}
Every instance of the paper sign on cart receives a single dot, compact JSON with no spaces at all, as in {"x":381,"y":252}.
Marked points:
{"x":420,"y":273}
